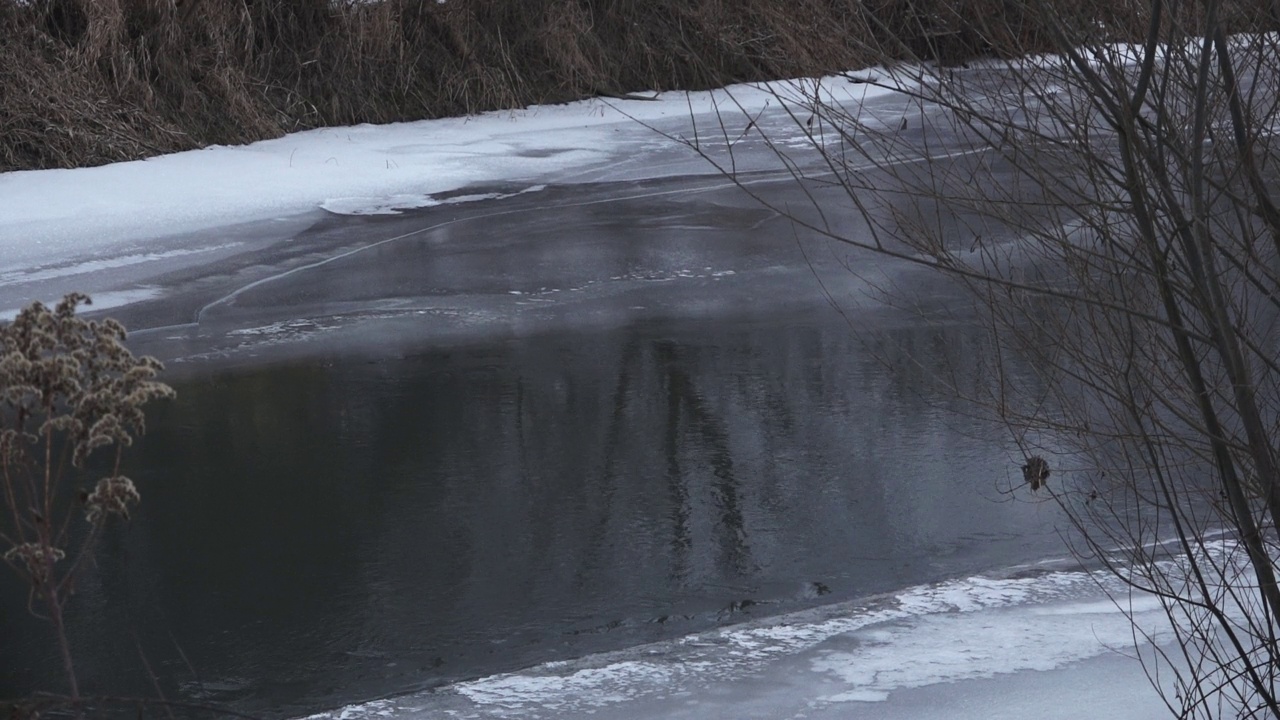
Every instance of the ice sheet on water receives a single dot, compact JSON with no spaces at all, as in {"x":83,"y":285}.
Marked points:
{"x":393,"y":205}
{"x":86,"y":265}
{"x":943,"y":648}
{"x":397,"y":204}
{"x":101,"y":301}
{"x":966,"y":629}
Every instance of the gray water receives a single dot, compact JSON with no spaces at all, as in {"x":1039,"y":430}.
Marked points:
{"x":312,"y":535}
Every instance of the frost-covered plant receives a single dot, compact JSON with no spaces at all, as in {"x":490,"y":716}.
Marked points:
{"x":69,"y":391}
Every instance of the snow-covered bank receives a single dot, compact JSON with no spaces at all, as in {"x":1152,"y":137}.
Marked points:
{"x":975,"y":647}
{"x":52,"y":215}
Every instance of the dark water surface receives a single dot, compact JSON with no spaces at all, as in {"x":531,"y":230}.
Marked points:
{"x":314,"y":534}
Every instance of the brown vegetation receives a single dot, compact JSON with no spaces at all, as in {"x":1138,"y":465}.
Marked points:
{"x":86,"y":82}
{"x":68,"y":387}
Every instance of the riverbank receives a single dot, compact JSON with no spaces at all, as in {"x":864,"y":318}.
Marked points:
{"x":87,"y":82}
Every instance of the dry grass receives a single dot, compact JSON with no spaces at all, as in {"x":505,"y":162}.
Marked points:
{"x":85,"y":82}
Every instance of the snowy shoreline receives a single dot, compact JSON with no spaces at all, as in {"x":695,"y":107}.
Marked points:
{"x":863,"y":658}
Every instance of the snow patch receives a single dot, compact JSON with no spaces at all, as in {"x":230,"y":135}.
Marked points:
{"x":286,"y":327}
{"x":590,"y":686}
{"x":53,"y":215}
{"x":373,"y":709}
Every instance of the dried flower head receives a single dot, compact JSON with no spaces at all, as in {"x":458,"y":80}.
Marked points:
{"x":112,"y":496}
{"x":34,"y":558}
{"x":63,"y":374}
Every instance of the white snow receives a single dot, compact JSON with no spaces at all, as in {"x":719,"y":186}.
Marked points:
{"x":49,"y":216}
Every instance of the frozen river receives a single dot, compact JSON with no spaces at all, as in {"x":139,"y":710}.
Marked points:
{"x":600,"y":443}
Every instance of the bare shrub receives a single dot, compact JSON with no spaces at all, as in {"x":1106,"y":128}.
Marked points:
{"x":1111,"y":209}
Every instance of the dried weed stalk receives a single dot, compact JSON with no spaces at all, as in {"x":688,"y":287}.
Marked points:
{"x":70,"y":391}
